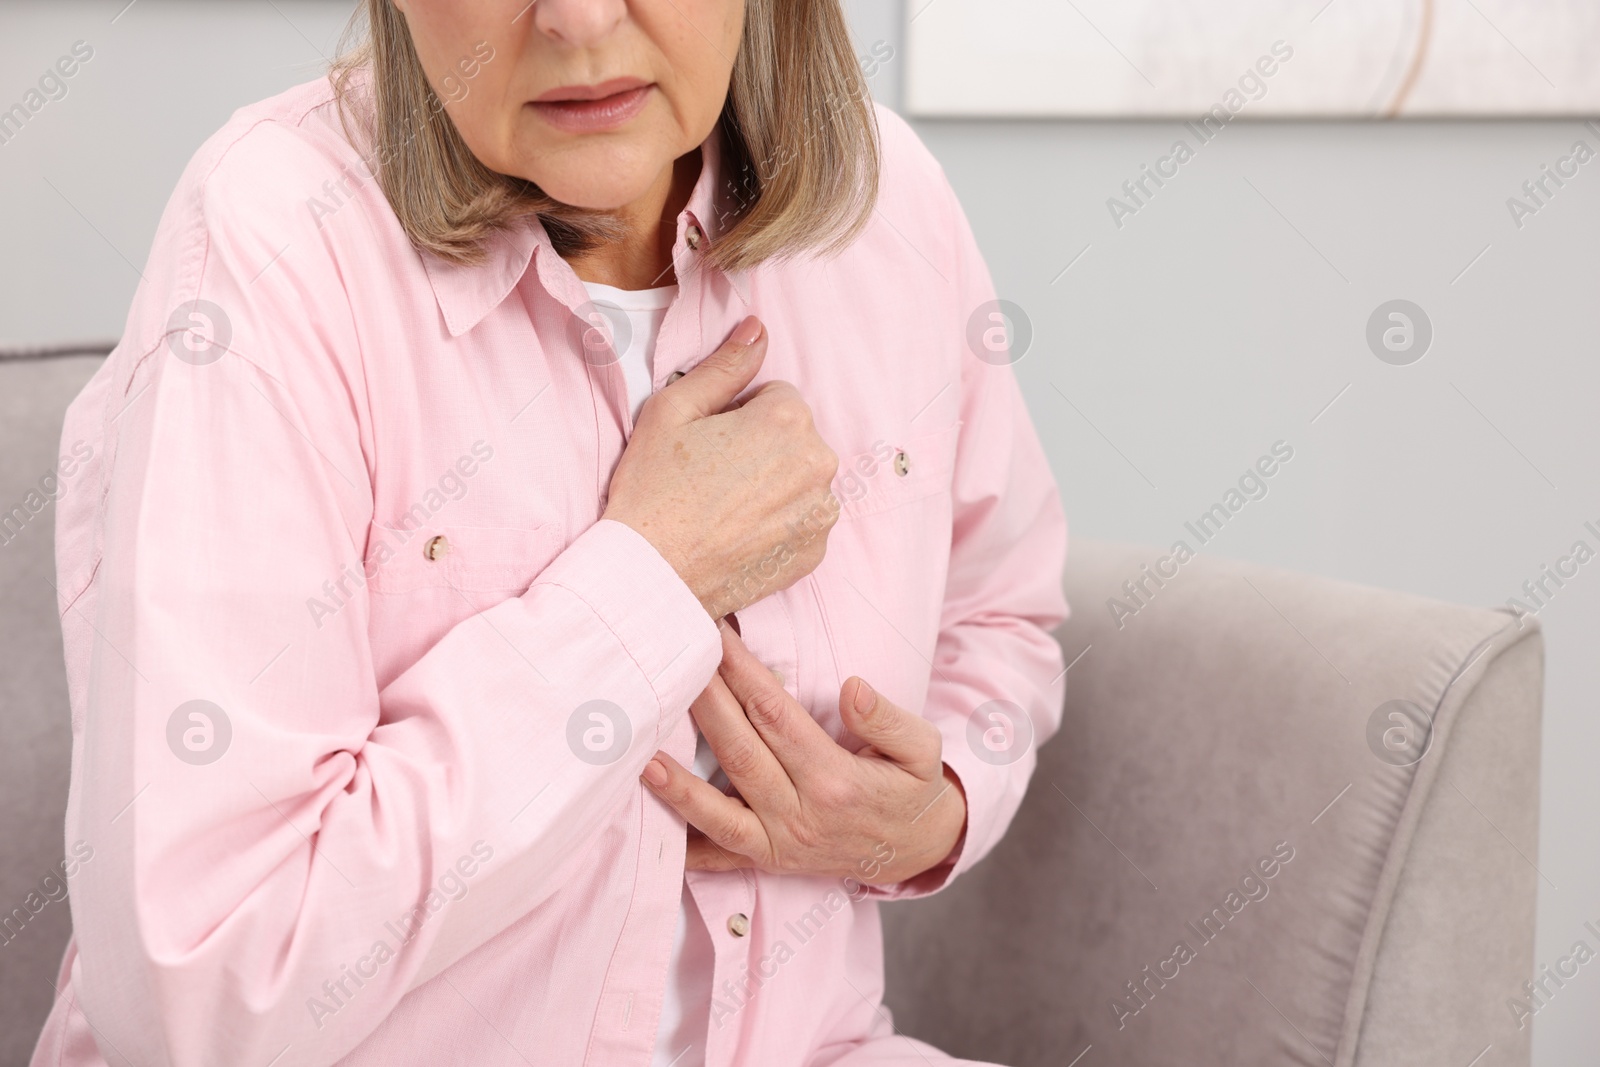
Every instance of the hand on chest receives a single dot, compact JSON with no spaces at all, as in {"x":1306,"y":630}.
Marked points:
{"x":546,"y":426}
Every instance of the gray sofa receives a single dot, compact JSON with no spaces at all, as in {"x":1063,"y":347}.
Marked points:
{"x":1241,"y":708}
{"x":1237,"y":851}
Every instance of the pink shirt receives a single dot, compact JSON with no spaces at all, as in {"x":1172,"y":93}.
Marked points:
{"x":361,"y":686}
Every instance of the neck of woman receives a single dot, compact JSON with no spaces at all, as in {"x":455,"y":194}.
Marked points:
{"x":642,"y":257}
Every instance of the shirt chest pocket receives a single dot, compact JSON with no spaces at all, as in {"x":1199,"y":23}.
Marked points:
{"x":469,"y":559}
{"x":881,"y":587}
{"x":891,"y":473}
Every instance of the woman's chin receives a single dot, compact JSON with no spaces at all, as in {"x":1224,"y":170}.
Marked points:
{"x":598,"y":185}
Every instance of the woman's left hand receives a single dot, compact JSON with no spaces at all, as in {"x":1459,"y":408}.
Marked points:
{"x":810,"y":806}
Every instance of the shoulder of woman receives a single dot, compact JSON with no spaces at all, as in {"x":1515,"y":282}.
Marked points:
{"x":281,"y":168}
{"x":262,"y":217}
{"x":906,"y":167}
{"x":913,"y":191}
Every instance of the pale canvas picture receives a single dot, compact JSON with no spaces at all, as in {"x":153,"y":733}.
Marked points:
{"x":1256,"y":58}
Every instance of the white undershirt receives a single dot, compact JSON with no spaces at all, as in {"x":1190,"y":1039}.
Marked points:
{"x":638,"y":314}
{"x":686,"y":1005}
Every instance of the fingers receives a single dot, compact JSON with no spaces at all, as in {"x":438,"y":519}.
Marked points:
{"x":702,"y":854}
{"x":742,"y":753}
{"x":713,"y":383}
{"x":801,"y":747}
{"x":780,"y":404}
{"x":907,"y":739}
{"x":775,"y":390}
{"x":723,"y":820}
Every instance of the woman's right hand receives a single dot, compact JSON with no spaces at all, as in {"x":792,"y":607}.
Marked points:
{"x":736,"y":499}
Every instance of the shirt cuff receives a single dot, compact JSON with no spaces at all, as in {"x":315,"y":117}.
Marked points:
{"x":940,"y":874}
{"x":652,"y":612}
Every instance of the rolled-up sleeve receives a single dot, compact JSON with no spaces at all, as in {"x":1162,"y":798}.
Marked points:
{"x":261,"y":813}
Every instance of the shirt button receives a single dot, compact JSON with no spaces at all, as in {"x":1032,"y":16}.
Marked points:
{"x":738,"y":924}
{"x":674,"y":376}
{"x":902,"y":464}
{"x":693,"y":236}
{"x":436,"y":547}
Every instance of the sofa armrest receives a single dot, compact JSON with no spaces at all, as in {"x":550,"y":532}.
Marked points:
{"x":1228,"y":726}
{"x":35,"y":760}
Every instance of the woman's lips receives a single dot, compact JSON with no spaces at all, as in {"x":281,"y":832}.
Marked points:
{"x":592,"y":116}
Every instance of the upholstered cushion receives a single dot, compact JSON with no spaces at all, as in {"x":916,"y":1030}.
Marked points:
{"x":1235,"y":717}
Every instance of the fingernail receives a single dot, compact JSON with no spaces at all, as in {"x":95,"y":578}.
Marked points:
{"x":655,"y":773}
{"x":747,"y":332}
{"x":865,"y":698}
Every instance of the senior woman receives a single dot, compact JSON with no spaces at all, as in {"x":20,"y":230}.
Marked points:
{"x":556,"y":556}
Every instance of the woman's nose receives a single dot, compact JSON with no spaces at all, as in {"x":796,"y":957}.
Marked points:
{"x":579,"y":23}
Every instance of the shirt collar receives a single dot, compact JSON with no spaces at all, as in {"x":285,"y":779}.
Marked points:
{"x":467,"y":293}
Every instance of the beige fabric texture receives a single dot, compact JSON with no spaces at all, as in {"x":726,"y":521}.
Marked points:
{"x":1227,"y":716}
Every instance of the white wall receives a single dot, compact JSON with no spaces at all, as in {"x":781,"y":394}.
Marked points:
{"x":1224,"y":315}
